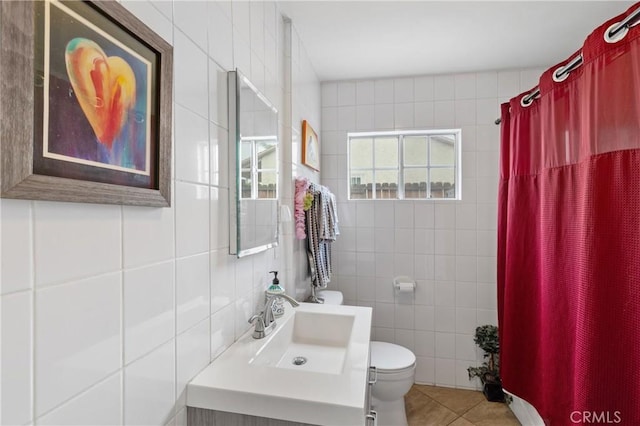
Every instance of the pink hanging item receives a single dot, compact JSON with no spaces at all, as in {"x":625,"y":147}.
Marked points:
{"x":301,"y":204}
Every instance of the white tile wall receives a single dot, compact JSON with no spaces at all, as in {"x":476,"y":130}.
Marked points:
{"x":191,"y":73}
{"x":17,"y":314}
{"x":191,"y":18}
{"x":365,"y":93}
{"x":193,"y":354}
{"x":192,"y":218}
{"x":100,"y":405}
{"x":148,"y":322}
{"x":108,"y":311}
{"x":17,"y":246}
{"x":193,"y":132}
{"x":192,"y":291}
{"x":77,"y":337}
{"x":383,"y":91}
{"x":346,"y":93}
{"x":448,"y":247}
{"x":222,"y":330}
{"x":75,"y":240}
{"x":150,"y":387}
{"x":148,"y":235}
{"x":220,"y":46}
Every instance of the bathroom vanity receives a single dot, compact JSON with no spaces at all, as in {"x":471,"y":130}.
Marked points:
{"x":312,"y":369}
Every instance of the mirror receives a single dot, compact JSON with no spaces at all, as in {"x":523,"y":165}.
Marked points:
{"x":254,"y":171}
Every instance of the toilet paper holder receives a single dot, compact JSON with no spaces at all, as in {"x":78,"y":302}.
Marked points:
{"x":403,"y":283}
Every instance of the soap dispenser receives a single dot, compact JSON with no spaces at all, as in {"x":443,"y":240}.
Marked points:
{"x":275,"y":289}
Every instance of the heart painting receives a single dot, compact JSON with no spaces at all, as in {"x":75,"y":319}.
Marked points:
{"x":105,"y":87}
{"x":99,"y":113}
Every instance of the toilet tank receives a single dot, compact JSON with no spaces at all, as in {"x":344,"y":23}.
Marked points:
{"x":331,"y":297}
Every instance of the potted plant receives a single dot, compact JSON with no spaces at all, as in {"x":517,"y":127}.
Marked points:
{"x":486,"y":338}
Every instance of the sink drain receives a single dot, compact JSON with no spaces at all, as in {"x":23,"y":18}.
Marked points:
{"x":299,"y":360}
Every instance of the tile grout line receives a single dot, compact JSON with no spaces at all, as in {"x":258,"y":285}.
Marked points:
{"x":471,"y":408}
{"x":441,"y":405}
{"x":453,"y":421}
{"x":461,"y":415}
{"x":448,"y":408}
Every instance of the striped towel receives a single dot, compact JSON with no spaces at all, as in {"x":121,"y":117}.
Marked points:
{"x":322,"y":230}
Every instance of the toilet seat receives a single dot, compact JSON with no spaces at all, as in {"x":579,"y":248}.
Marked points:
{"x":397,"y":376}
{"x":389,"y":358}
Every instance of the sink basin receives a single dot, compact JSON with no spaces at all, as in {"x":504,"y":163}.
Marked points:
{"x":313,"y":368}
{"x":309,"y":341}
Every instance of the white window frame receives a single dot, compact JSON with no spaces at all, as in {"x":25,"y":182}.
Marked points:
{"x":255,"y":170}
{"x":400,"y":134}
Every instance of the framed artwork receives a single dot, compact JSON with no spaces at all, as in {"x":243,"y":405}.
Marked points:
{"x":310,"y":147}
{"x":85,"y":101}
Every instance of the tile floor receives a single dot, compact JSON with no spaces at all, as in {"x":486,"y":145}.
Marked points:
{"x":437,"y":406}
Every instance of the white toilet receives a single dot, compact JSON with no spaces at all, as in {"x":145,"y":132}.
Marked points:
{"x":396,"y":368}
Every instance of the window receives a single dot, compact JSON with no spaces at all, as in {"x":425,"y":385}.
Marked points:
{"x":404,"y":165}
{"x":259,"y":167}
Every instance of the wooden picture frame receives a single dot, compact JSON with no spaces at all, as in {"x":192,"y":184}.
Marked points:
{"x":85,"y":104}
{"x":310,"y":147}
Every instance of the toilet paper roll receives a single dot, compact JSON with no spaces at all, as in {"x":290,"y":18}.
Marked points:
{"x":405,"y":287}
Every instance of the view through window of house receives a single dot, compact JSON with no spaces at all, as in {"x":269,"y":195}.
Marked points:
{"x":404,"y":165}
{"x":259,"y":172}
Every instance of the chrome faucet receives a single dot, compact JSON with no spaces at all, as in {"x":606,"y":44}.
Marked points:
{"x":265,"y":322}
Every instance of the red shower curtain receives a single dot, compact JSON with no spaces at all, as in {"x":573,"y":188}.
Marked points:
{"x":569,"y":239}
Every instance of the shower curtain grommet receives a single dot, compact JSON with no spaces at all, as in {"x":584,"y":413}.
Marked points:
{"x":559,"y":75}
{"x":526,"y":100}
{"x":618,"y":36}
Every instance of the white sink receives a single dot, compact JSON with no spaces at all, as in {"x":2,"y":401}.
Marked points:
{"x":259,"y":376}
{"x":309,"y":341}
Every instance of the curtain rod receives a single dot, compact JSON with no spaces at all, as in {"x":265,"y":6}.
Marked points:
{"x":562,"y":73}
